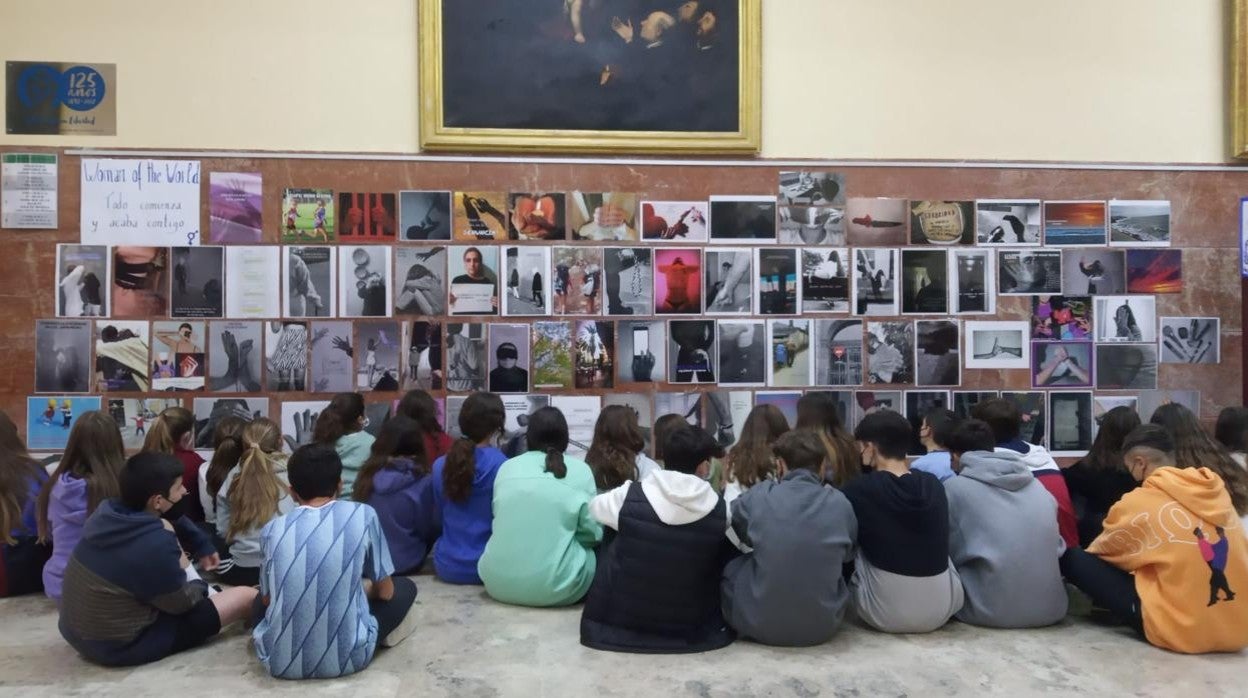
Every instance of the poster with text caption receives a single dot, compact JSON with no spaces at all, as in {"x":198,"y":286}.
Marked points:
{"x":140,"y":202}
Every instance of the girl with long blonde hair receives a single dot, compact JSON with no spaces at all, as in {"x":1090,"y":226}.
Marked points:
{"x":254,"y":493}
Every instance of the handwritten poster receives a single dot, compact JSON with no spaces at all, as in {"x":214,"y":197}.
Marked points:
{"x":140,"y":202}
{"x":28,"y":191}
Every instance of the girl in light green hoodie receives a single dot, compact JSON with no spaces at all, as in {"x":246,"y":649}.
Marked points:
{"x":341,"y":425}
{"x":541,"y":550}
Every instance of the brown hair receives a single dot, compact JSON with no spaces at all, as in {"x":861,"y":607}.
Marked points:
{"x":420,"y":406}
{"x":481,"y":417}
{"x":663,"y":428}
{"x":801,"y":449}
{"x":168,"y":429}
{"x":95,"y":454}
{"x":17,"y":471}
{"x":400,"y":438}
{"x":818,"y":412}
{"x":339,"y":418}
{"x":750,"y":459}
{"x":256,"y":490}
{"x":613,"y":452}
{"x":227,"y":442}
{"x":1195,"y":448}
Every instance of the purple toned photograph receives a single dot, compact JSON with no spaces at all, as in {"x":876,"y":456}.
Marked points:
{"x":234,"y":208}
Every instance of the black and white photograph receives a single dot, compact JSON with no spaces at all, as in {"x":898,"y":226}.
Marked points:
{"x":286,"y":355}
{"x":642,"y":406}
{"x":1061,"y":364}
{"x":598,"y":216}
{"x":805,"y":187}
{"x":420,"y":280}
{"x":811,"y":225}
{"x":972,"y":287}
{"x":424,"y":215}
{"x":581,"y":412}
{"x":527,"y":271}
{"x":791,"y":364}
{"x":641,"y":351}
{"x":577,"y":279}
{"x":1191,"y":340}
{"x":942,"y":222}
{"x":877,"y":222}
{"x":964,"y":400}
{"x":593,"y":354}
{"x":1094,"y":271}
{"x":918,"y":404}
{"x":628,"y":280}
{"x":473,"y":271}
{"x":1126,"y":318}
{"x":422,"y":352}
{"x":890,"y":353}
{"x":121,"y":356}
{"x":687,"y":405}
{"x":465,"y":358}
{"x":299,"y":420}
{"x":178,"y":357}
{"x":726,"y":411}
{"x":997,"y":344}
{"x":777,"y":292}
{"x":691,"y":351}
{"x":1150,"y":400}
{"x":517,"y":410}
{"x":254,"y":282}
{"x":1139,"y":223}
{"x":1033,"y":406}
{"x":63,"y":356}
{"x":509,"y":359}
{"x":743,"y":219}
{"x":235,"y":353}
{"x":674,"y":221}
{"x":208,"y":411}
{"x":1026,"y":272}
{"x":875,"y":282}
{"x":537,"y":216}
{"x":743,"y":352}
{"x":938,"y":353}
{"x":1008,"y":222}
{"x":871,"y":401}
{"x":838,"y":352}
{"x":197,"y":284}
{"x":309,"y":280}
{"x":1126,"y":366}
{"x":82,"y":273}
{"x":134,"y":416}
{"x":825,"y":280}
{"x":1070,"y":422}
{"x":375,"y":416}
{"x":729,"y":281}
{"x":454,"y":405}
{"x":332,"y":369}
{"x":924,"y":285}
{"x":364,"y":281}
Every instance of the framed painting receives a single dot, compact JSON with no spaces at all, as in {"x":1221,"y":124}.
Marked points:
{"x":612,"y":76}
{"x":1239,"y":79}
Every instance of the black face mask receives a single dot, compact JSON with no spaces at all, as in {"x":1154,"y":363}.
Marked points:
{"x":175,"y":512}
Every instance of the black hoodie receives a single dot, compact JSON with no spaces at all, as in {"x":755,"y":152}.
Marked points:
{"x":903,"y":522}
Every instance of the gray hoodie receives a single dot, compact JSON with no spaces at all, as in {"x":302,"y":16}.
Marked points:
{"x":1003,"y":538}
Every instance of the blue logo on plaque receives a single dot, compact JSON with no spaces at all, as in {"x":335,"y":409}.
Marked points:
{"x":38,"y":85}
{"x":82,"y":88}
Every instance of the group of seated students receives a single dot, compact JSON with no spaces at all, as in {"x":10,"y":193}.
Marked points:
{"x":778,"y":540}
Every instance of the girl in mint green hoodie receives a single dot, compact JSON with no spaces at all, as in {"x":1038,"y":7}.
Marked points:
{"x":541,"y":551}
{"x":341,"y":425}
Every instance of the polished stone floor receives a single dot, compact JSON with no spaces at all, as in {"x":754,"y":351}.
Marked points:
{"x":468,"y":645}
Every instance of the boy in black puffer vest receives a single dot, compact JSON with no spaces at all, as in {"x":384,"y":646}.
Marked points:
{"x":656,"y":589}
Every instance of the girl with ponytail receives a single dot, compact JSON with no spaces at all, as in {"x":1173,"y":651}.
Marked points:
{"x":227,"y":444}
{"x":541,"y":552}
{"x":173,"y":432}
{"x":254,"y":492}
{"x":341,"y":425}
{"x":463,"y":488}
{"x":395,"y":482}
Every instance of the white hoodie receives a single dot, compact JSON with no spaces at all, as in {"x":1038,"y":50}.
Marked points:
{"x":677,"y":499}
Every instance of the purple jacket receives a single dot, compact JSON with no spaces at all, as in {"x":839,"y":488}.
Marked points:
{"x":408,"y":513}
{"x":67,"y":512}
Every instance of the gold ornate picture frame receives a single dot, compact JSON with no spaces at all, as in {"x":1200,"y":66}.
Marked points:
{"x":590,"y":76}
{"x":1239,"y":79}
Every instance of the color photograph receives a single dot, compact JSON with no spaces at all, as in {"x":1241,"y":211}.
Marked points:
{"x":1070,"y":423}
{"x":63,"y":356}
{"x":938,"y":353}
{"x":877,"y":222}
{"x":942,"y":222}
{"x":332,"y":369}
{"x":286,"y":355}
{"x":973,"y":282}
{"x":140,"y":283}
{"x":1074,"y":223}
{"x":252,"y":275}
{"x":424,"y":215}
{"x":509,"y":359}
{"x":478,"y":216}
{"x":1056,"y":318}
{"x":309,"y":281}
{"x":674,"y":221}
{"x":235,"y":208}
{"x":1093,"y":272}
{"x":308,"y":215}
{"x":729,"y":281}
{"x":465,"y":357}
{"x":196,"y":289}
{"x":178,"y":357}
{"x":594,"y":354}
{"x":641,"y":351}
{"x":811,"y":225}
{"x":528,"y":271}
{"x":1126,"y":319}
{"x":784,"y":400}
{"x":81,"y":272}
{"x":1061,"y":364}
{"x":997,"y":344}
{"x":121,"y":356}
{"x":473,"y":272}
{"x":537,"y":216}
{"x":377,"y":355}
{"x":691,"y":351}
{"x":1024,"y":272}
{"x":1190,"y":340}
{"x":838,"y":352}
{"x":364,"y":218}
{"x":924,"y":289}
{"x":577,"y":275}
{"x":1033,"y":406}
{"x":1126,"y":367}
{"x":777,"y":292}
{"x":364,"y":281}
{"x":890,"y":353}
{"x":49,"y":420}
{"x":133,"y":416}
{"x":1007,"y":222}
{"x":1155,"y":271}
{"x":1139,"y":223}
{"x":737,"y":219}
{"x":552,"y":355}
{"x":825,"y":280}
{"x":875,"y":282}
{"x":419,"y":280}
{"x":629,"y":280}
{"x":743,"y":352}
{"x":601,"y":216}
{"x":678,"y":281}
{"x":791,"y":364}
{"x":423,"y":355}
{"x":808,"y":188}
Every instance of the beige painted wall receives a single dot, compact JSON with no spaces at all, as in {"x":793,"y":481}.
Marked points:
{"x":1083,"y":80}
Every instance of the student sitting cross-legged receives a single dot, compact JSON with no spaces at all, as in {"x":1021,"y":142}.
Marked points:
{"x":657,"y":589}
{"x":790,"y":589}
{"x":1172,"y":558}
{"x":903,"y":580}
{"x":326,"y":587}
{"x":1003,"y":535}
{"x":395,"y":481}
{"x":129,"y":594}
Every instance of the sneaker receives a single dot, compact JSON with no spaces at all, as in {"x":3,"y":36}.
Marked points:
{"x":405,"y":628}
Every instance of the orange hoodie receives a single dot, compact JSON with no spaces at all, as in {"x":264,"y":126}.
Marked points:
{"x":1186,"y":571}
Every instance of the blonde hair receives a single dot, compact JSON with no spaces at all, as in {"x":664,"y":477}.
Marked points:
{"x":256,"y":490}
{"x":168,"y":429}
